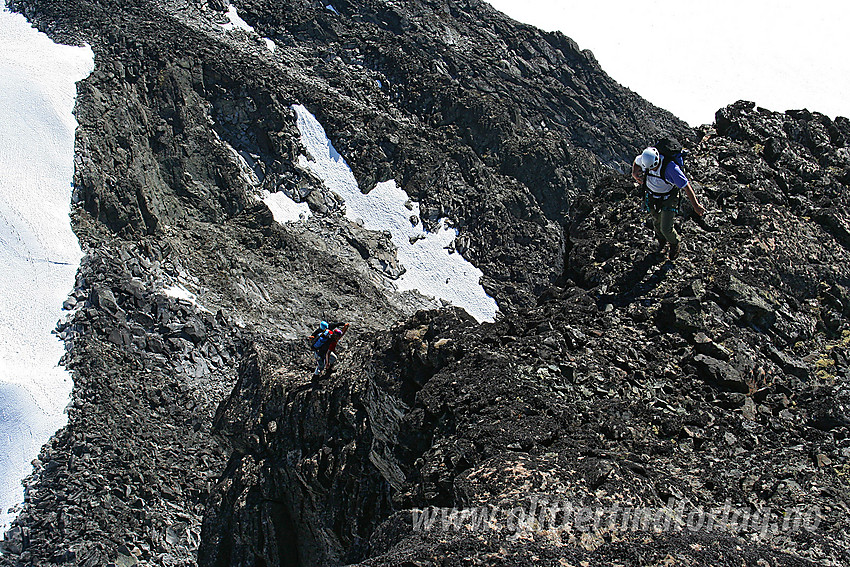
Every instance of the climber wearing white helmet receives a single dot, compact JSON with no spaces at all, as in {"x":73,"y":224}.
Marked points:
{"x":662,"y":177}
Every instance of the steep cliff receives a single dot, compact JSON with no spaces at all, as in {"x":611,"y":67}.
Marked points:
{"x":637,"y":385}
{"x":608,"y":380}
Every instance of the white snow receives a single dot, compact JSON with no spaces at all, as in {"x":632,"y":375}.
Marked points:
{"x":431,"y":268}
{"x":236,"y":21}
{"x":38,"y":251}
{"x":780,"y":54}
{"x":284,"y":209}
{"x":330,"y":8}
{"x":179,"y":292}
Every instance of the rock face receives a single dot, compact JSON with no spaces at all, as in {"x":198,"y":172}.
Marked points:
{"x":476,"y":117}
{"x":619,"y":411}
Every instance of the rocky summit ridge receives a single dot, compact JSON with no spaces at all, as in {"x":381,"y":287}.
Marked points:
{"x":620,"y":410}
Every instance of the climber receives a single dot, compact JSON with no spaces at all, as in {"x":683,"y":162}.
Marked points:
{"x":323,"y":342}
{"x":662,"y":177}
{"x":336,"y":335}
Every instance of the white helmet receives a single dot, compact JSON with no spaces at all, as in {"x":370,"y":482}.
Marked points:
{"x":649,"y":159}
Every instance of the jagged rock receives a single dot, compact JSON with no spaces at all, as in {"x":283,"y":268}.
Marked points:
{"x":721,"y":374}
{"x":13,"y":541}
{"x":788,"y":364}
{"x":104,"y":298}
{"x":684,"y":316}
{"x":704,"y":345}
{"x":756,"y":310}
{"x":597,"y":384}
{"x":377,"y":249}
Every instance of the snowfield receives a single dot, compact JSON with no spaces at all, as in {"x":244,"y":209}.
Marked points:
{"x":39,"y":252}
{"x":432,"y":268}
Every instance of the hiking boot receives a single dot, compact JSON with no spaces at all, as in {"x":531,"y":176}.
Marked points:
{"x":674,"y":250}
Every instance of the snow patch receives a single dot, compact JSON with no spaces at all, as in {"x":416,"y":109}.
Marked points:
{"x":330,"y":8}
{"x":179,"y":292}
{"x":284,"y":209}
{"x":235,"y":21}
{"x":432,"y":267}
{"x":38,"y":251}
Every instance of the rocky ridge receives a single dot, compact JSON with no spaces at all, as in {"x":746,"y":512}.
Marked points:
{"x":720,"y":381}
{"x":195,"y":436}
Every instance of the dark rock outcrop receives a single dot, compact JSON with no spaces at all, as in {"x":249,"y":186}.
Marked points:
{"x":610,"y":381}
{"x":478,"y":118}
{"x":706,"y":385}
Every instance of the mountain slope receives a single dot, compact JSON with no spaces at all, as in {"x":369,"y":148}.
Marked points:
{"x":608,"y":378}
{"x":448,"y":136}
{"x":718,"y":384}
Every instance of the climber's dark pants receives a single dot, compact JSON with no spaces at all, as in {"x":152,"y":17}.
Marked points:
{"x":663,"y":212}
{"x":320,"y":361}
